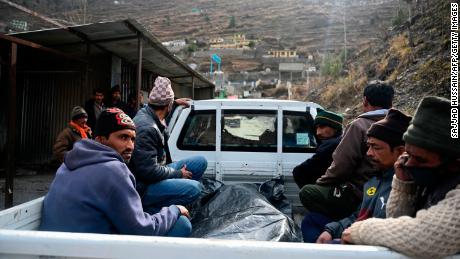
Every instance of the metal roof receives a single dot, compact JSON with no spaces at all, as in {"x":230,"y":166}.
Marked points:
{"x":121,"y":39}
{"x":294,"y":67}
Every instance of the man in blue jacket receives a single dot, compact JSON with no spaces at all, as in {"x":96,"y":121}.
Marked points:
{"x":385,"y":145}
{"x":161,"y":182}
{"x":94,"y":191}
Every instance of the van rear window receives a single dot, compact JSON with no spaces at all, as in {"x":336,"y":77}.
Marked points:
{"x":298,"y":132}
{"x":199,"y":132}
{"x":249,"y":131}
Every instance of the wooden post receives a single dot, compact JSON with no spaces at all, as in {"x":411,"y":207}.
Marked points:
{"x":85,"y":83}
{"x":193,"y":87}
{"x":139,"y":71}
{"x":11,"y":133}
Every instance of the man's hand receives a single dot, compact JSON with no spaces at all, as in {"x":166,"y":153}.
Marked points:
{"x":183,"y":211}
{"x":183,"y":102}
{"x":400,"y":172}
{"x":186,"y":174}
{"x":324,"y":238}
{"x":346,"y":236}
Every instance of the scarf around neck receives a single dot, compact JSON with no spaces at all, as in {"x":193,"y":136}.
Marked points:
{"x":83,"y":131}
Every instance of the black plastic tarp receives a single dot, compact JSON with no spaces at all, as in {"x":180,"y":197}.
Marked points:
{"x":240,"y":212}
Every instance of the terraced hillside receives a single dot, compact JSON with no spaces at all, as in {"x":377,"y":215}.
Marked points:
{"x":308,"y":25}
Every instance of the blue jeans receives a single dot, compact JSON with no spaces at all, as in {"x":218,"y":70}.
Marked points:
{"x":182,"y":228}
{"x":177,"y":191}
{"x":313,"y":225}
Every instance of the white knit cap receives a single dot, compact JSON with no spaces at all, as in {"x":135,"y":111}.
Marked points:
{"x":162,"y":93}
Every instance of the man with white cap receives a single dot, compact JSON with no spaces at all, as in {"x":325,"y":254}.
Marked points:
{"x":159,"y":181}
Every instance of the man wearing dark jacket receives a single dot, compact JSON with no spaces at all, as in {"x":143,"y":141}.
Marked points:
{"x":115,"y":99}
{"x":337,"y":193}
{"x":160,"y":182}
{"x":94,"y":107}
{"x":385,"y":146}
{"x":328,"y":134}
{"x":93,"y":191}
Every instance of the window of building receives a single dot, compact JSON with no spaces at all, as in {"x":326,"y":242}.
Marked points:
{"x":199,"y":132}
{"x":252,"y":131}
{"x":298,"y":132}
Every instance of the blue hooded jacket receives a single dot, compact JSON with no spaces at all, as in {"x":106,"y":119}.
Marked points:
{"x":94,"y":192}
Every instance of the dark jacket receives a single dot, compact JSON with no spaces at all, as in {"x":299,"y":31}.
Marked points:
{"x":375,"y":196}
{"x":311,"y":169}
{"x":89,"y":108}
{"x":151,"y":153}
{"x":350,"y":163}
{"x":65,"y":140}
{"x":120,"y":105}
{"x":93,"y":192}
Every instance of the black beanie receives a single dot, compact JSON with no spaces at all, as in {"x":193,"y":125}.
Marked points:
{"x":391,"y":128}
{"x":111,"y":120}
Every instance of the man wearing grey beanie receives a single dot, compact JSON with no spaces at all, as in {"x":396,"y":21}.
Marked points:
{"x":423,"y":208}
{"x":161,"y":182}
{"x":77,"y":129}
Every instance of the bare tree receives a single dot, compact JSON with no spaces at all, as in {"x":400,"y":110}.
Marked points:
{"x":77,"y":13}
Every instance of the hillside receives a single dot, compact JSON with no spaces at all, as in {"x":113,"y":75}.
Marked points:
{"x":415,"y":71}
{"x":376,"y":49}
{"x":307,"y":25}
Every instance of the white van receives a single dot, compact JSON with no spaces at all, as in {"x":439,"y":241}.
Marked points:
{"x":246,"y":140}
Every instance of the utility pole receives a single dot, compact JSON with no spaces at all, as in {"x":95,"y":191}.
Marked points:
{"x":345,"y":30}
{"x":85,"y":2}
{"x":409,"y":33}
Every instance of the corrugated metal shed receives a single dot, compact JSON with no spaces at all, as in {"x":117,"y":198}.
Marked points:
{"x":121,"y":39}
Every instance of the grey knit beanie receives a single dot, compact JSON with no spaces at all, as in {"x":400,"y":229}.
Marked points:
{"x":162,"y":93}
{"x":78,"y":112}
{"x":430,"y":127}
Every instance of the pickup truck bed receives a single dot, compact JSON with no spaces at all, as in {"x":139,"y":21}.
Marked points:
{"x":18,"y":239}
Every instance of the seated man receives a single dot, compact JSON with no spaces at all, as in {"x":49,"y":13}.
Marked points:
{"x":160,"y":182}
{"x":76,"y":130}
{"x":93,"y":191}
{"x":423,"y":211}
{"x":337,"y":193}
{"x":329,"y":133}
{"x":385,"y":146}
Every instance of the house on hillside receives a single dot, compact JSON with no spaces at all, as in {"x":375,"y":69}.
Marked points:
{"x":237,"y":41}
{"x":293,"y":70}
{"x":175,"y":45}
{"x":282,"y":54}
